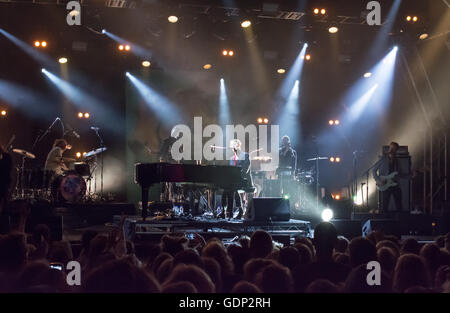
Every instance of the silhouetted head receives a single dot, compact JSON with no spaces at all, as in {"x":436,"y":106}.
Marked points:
{"x":289,"y":257}
{"x":275,"y":278}
{"x":361,"y":251}
{"x":325,"y":238}
{"x":179,"y":287}
{"x":194,"y":275}
{"x":261,"y":244}
{"x":357,"y":281}
{"x":410,"y":271}
{"x":410,"y":245}
{"x":255,"y":266}
{"x":245,"y":287}
{"x":322,"y":286}
{"x":119,"y":276}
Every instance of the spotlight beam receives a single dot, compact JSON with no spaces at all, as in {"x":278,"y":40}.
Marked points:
{"x":288,"y":120}
{"x":82,"y":100}
{"x":166,"y":111}
{"x":26,"y":100}
{"x":40,"y":57}
{"x":224,"y":107}
{"x":293,"y":74}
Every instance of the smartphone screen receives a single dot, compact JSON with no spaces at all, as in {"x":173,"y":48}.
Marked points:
{"x":57,"y":266}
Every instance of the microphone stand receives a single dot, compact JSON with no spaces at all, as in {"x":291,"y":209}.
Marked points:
{"x":102,"y":145}
{"x":39,"y":138}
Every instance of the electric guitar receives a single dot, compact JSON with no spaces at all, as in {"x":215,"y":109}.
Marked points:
{"x":387,"y":181}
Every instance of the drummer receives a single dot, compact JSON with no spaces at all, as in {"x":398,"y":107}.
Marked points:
{"x":55,"y":159}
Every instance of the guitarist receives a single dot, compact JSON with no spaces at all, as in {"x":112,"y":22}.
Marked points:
{"x":387,"y":165}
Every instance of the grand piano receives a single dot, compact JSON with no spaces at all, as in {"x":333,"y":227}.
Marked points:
{"x":218,"y":176}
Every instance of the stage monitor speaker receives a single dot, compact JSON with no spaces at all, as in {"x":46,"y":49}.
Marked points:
{"x":347,"y":228}
{"x":387,"y":226}
{"x":269,"y":209}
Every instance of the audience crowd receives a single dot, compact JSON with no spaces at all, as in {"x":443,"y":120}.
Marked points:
{"x":327,"y":263}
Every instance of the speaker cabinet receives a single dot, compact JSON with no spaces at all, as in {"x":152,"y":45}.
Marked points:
{"x":387,"y":226}
{"x":269,"y":209}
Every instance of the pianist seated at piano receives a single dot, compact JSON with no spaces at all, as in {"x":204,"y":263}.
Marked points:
{"x":233,"y":199}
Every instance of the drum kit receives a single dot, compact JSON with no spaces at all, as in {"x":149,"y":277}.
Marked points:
{"x":282,"y":182}
{"x":72,"y":186}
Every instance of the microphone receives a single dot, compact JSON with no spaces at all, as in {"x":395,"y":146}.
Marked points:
{"x":95,"y":128}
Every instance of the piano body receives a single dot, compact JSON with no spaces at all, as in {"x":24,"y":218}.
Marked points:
{"x":225,"y":177}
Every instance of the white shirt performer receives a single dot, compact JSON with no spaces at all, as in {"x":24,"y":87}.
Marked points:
{"x":55,"y":160}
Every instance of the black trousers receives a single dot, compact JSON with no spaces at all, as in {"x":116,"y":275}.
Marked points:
{"x":228,"y":199}
{"x":395,"y":192}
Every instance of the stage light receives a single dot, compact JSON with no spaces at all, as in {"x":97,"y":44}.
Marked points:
{"x":423,"y":36}
{"x":44,"y":44}
{"x":336,"y":122}
{"x":316,"y":11}
{"x":62,"y":60}
{"x":333,"y":29}
{"x":146,"y":63}
{"x":259,"y":120}
{"x":323,"y":11}
{"x":127,"y":47}
{"x":332,"y":159}
{"x":338,"y":159}
{"x":327,"y":215}
{"x":120,"y":47}
{"x":37,"y":43}
{"x":337,"y":197}
{"x":86,"y":115}
{"x":103,"y":31}
{"x":80,"y":115}
{"x":224,"y":105}
{"x":78,"y":155}
{"x":408,"y":18}
{"x":331,"y":122}
{"x":266,"y":120}
{"x":281,"y":71}
{"x":415,"y":19}
{"x":3,"y":112}
{"x":231,"y":53}
{"x":246,"y":24}
{"x":127,"y":74}
{"x":307,"y":57}
{"x":43,"y":70}
{"x":286,"y":197}
{"x":172,"y":19}
{"x":367,"y":75}
{"x":207,"y":66}
{"x":225,"y":52}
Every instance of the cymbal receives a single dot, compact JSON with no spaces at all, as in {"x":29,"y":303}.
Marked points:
{"x":262,"y":158}
{"x":318,"y":158}
{"x":24,"y":153}
{"x":94,"y":152}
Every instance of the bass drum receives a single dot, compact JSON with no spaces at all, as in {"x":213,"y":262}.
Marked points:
{"x":68,"y":188}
